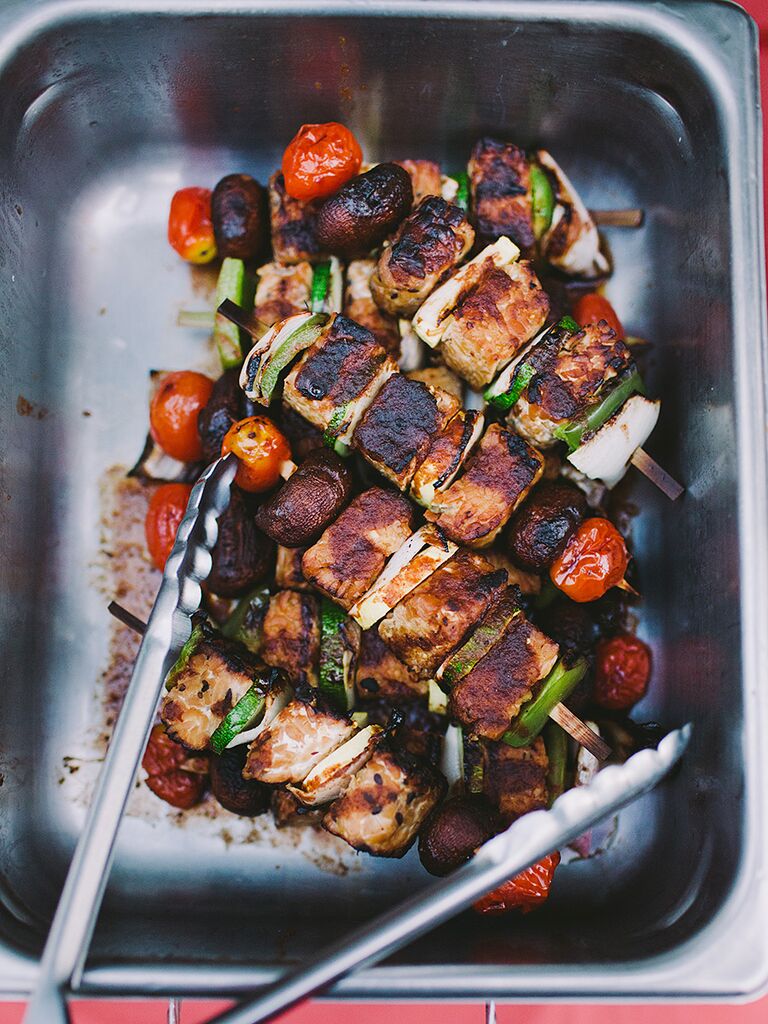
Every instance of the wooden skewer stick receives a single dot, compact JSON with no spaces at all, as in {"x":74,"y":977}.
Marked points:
{"x":649,"y":467}
{"x":127,"y":618}
{"x":231,"y":311}
{"x":581,"y":732}
{"x":623,"y":585}
{"x":632,"y":218}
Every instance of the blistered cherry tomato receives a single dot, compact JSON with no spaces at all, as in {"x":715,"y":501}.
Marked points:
{"x":260,"y":449}
{"x":166,"y":510}
{"x":523,"y":892}
{"x":622,"y":672}
{"x":592,"y":308}
{"x":594,"y":560}
{"x":190,"y":228}
{"x":163,"y":762}
{"x":319,"y":159}
{"x":173,"y":413}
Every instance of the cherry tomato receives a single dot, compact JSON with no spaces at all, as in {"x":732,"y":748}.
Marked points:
{"x":173,"y":413}
{"x":163,"y":762}
{"x":190,"y":228}
{"x":165,"y":512}
{"x":592,"y":308}
{"x":260,"y":449}
{"x":524,"y":892}
{"x":319,"y":159}
{"x":622,"y":672}
{"x":594,"y":560}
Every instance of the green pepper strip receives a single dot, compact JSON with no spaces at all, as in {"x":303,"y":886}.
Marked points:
{"x":302,"y":338}
{"x":245,"y":622}
{"x":520,"y":381}
{"x":462,"y":193}
{"x":334,"y":426}
{"x":542,"y":200}
{"x":332,"y":654}
{"x":556,"y":742}
{"x":573,"y":433}
{"x":558,"y":685}
{"x":230,"y":285}
{"x":321,"y":282}
{"x":567,"y":323}
{"x":240,"y":717}
{"x":185,"y":654}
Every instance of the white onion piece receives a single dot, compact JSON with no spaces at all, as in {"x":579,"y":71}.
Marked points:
{"x":449,"y":188}
{"x":583,"y":258}
{"x":269,"y":343}
{"x":605,"y":456}
{"x":271,"y":712}
{"x":330,"y":778}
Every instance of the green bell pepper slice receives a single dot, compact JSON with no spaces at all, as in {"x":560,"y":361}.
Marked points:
{"x":574,"y":431}
{"x":542,"y":201}
{"x":462,"y":193}
{"x":556,"y":742}
{"x":302,"y":338}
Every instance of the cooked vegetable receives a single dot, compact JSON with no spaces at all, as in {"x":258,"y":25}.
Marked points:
{"x":308,"y":502}
{"x":364,"y":211}
{"x":594,"y":559}
{"x":245,"y":714}
{"x":556,"y":742}
{"x":573,"y":433}
{"x":273,"y":341}
{"x":481,"y":640}
{"x":592,"y":308}
{"x":276,"y":696}
{"x":542,"y":201}
{"x":525,"y":891}
{"x":164,"y":514}
{"x":319,"y":160}
{"x":623,"y":670}
{"x":230,"y":285}
{"x":325,"y":296}
{"x":540,"y":529}
{"x":559,"y":684}
{"x":226,"y":406}
{"x":280,"y":357}
{"x":239,"y":212}
{"x":246,"y":622}
{"x":261,"y":452}
{"x":242,"y":555}
{"x":454,"y":832}
{"x":164,"y":762}
{"x":190,"y":229}
{"x":437,"y":702}
{"x":572,"y":243}
{"x":339,"y":649}
{"x":514,"y":378}
{"x":446,"y":456}
{"x":329,"y":779}
{"x":174,"y":410}
{"x":606,"y":454}
{"x":234,"y":793}
{"x":462,"y":192}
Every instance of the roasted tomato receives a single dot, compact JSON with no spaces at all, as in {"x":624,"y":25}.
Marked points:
{"x":168,"y":765}
{"x":525,"y":891}
{"x":622,"y":672}
{"x":594,"y":560}
{"x":592,"y":308}
{"x":319,"y":159}
{"x":166,"y":510}
{"x":261,"y":451}
{"x":174,"y":411}
{"x":190,"y":227}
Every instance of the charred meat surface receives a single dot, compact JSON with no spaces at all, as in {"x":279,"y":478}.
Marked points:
{"x":493,"y":321}
{"x":446,"y":455}
{"x":497,"y":478}
{"x":428,"y":245}
{"x":291,"y":635}
{"x":336,"y":378}
{"x":352,"y":552}
{"x":236,"y":794}
{"x":432,"y":620}
{"x":489,"y":696}
{"x":243,"y":556}
{"x":395,"y":432}
{"x":381,"y":675}
{"x":288,"y":574}
{"x":293,"y":225}
{"x":308,"y":502}
{"x":294,"y":742}
{"x":540,"y":528}
{"x":281,"y":291}
{"x":500,"y":188}
{"x":515,"y":778}
{"x":426,"y":179}
{"x":226,"y":406}
{"x":239,"y":214}
{"x":359,"y":306}
{"x":385,"y":804}
{"x":364,"y":211}
{"x":454,"y":831}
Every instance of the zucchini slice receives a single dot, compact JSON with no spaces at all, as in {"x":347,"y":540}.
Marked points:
{"x":327,"y":287}
{"x":247,"y":712}
{"x":605,"y":456}
{"x":231,"y":284}
{"x":277,"y":695}
{"x":339,"y":650}
{"x":199,"y":633}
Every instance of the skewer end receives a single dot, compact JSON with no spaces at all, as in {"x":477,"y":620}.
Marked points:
{"x":656,"y":474}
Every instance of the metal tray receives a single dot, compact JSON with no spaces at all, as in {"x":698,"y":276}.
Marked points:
{"x":105,"y":109}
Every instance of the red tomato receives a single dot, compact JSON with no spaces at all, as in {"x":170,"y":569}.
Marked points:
{"x":163,"y":762}
{"x":319,"y":159}
{"x":622,"y":672}
{"x":190,"y":228}
{"x":261,"y":450}
{"x":592,"y":308}
{"x":174,"y":410}
{"x":594,"y":560}
{"x":524,"y":892}
{"x":165,"y":512}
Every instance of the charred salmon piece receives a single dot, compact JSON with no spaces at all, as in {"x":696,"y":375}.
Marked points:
{"x":291,"y":635}
{"x":288,"y":574}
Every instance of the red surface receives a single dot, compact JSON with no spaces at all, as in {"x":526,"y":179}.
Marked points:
{"x":155,"y":1012}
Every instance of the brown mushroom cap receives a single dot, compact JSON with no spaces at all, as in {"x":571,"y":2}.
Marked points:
{"x":239,"y":214}
{"x":453,"y":833}
{"x":364,"y":211}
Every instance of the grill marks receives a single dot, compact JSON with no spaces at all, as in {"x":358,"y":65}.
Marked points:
{"x":293,"y":225}
{"x":500,"y":186}
{"x":291,"y":635}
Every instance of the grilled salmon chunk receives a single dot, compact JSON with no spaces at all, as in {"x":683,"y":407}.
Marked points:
{"x":432,"y":620}
{"x":491,"y":694}
{"x":293,"y":225}
{"x":427,"y":246}
{"x":295,"y":741}
{"x":381,"y":675}
{"x":515,"y":778}
{"x":493,"y":321}
{"x":386,"y":804}
{"x":352,"y":552}
{"x":396,"y":431}
{"x":282,"y":291}
{"x":291,"y":635}
{"x":359,"y":306}
{"x":500,"y":190}
{"x":497,"y":478}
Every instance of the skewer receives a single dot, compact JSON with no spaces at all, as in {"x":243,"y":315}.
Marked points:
{"x":623,"y":585}
{"x":631,"y":218}
{"x":203,"y":318}
{"x":566,"y":719}
{"x":660,"y":477}
{"x":255,"y":327}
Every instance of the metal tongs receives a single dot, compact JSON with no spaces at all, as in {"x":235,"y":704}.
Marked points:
{"x":522,"y":844}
